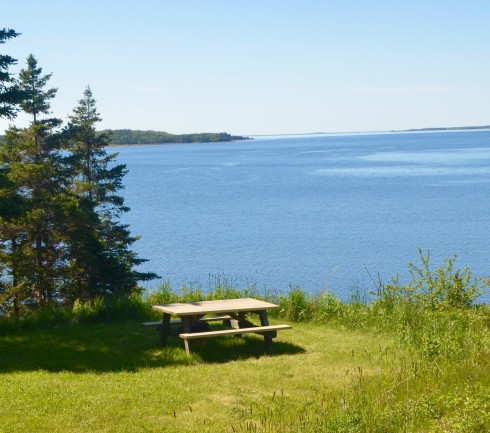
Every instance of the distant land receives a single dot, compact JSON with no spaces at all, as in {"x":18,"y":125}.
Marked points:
{"x":452,"y":128}
{"x":130,"y":136}
{"x":135,"y":136}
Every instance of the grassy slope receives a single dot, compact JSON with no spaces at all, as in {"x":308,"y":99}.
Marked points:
{"x":114,"y":377}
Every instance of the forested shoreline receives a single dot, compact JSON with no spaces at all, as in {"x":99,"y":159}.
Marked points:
{"x":130,"y":136}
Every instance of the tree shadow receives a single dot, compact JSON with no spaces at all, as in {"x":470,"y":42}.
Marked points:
{"x":112,"y":347}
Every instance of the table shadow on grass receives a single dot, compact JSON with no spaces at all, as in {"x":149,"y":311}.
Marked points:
{"x":116,"y":347}
{"x":226,"y":349}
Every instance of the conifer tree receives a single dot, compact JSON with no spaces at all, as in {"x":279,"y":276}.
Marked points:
{"x":36,"y":100}
{"x":60,"y":232}
{"x":34,"y":176}
{"x":10,"y":202}
{"x":10,"y":94}
{"x":102,"y":263}
{"x":12,"y":208}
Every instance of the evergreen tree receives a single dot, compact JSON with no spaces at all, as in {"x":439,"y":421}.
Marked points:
{"x":34,"y":178}
{"x":101,"y":261}
{"x":60,"y":232}
{"x":36,"y":98}
{"x":12,"y":208}
{"x":10,"y":202}
{"x":10,"y":94}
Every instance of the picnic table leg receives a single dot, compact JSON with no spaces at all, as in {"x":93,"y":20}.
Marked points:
{"x":186,"y":327}
{"x":238,"y":322}
{"x":264,"y":321}
{"x":165,"y":328}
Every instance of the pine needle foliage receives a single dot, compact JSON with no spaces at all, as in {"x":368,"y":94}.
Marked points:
{"x":10,"y":94}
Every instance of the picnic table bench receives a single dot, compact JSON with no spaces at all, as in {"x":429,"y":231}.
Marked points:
{"x":232,"y":312}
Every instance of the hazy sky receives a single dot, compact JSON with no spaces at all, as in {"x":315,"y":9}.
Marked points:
{"x":262,"y":66}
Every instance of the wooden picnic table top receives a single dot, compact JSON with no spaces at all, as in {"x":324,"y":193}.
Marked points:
{"x":214,"y":307}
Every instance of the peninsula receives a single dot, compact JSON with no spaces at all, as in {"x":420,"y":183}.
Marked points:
{"x":130,"y":136}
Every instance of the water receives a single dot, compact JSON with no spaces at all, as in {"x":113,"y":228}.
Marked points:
{"x":323,"y":212}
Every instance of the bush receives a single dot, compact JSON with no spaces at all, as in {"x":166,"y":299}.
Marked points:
{"x":444,"y":287}
{"x":435,"y":313}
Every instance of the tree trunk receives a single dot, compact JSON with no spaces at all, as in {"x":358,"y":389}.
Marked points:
{"x":15,"y":281}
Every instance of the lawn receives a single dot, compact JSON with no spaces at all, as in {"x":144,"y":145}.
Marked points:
{"x":113,"y":377}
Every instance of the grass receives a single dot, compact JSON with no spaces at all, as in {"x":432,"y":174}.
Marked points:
{"x":114,"y":377}
{"x":415,"y":358}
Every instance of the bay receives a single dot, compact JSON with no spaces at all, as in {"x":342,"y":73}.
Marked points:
{"x":326,"y":212}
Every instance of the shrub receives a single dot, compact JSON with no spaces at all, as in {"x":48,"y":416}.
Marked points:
{"x":86,"y":309}
{"x":444,"y":287}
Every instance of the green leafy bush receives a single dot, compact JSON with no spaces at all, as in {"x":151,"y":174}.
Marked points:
{"x":444,"y":287}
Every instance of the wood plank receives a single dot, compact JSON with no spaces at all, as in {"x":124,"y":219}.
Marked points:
{"x":202,"y":319}
{"x":160,"y":322}
{"x":186,"y":327}
{"x":164,"y":329}
{"x":264,"y":321}
{"x":214,"y":307}
{"x":255,"y":330}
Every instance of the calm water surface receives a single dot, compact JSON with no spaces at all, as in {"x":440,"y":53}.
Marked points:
{"x":323,"y":212}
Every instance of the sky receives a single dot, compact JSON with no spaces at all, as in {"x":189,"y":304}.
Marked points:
{"x":261,"y":66}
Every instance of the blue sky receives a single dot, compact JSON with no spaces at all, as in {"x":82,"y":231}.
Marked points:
{"x":260,"y":67}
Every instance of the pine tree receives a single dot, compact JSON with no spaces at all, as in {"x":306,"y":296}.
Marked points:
{"x":16,"y":158}
{"x":11,"y":204}
{"x":36,"y":100}
{"x":10,"y":94}
{"x":102,"y":263}
{"x":12,"y":208}
{"x":34,"y":176}
{"x":60,"y":232}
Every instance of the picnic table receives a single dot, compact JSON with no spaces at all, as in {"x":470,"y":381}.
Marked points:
{"x":194,"y":316}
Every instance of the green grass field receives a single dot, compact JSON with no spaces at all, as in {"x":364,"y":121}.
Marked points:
{"x":113,"y":377}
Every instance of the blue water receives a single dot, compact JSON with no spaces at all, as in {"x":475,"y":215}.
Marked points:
{"x":323,"y":212}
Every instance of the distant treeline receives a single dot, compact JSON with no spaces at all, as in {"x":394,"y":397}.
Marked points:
{"x":450,"y":128}
{"x":129,"y":136}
